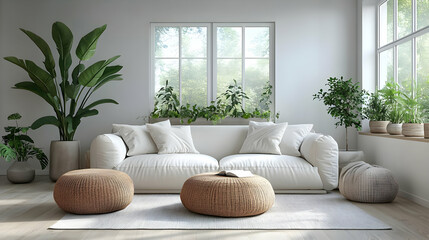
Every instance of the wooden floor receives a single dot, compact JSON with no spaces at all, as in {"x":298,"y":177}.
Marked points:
{"x":27,"y":210}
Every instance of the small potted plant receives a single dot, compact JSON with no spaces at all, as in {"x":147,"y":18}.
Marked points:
{"x":393,"y":97}
{"x":376,"y":112}
{"x":17,"y":145}
{"x":413,"y":121}
{"x":344,"y":100}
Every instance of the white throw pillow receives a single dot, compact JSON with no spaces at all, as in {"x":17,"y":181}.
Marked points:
{"x":173,"y":139}
{"x":263,"y":138}
{"x":137,"y":137}
{"x":293,"y":137}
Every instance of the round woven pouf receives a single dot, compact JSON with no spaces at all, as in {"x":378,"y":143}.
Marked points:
{"x":362,"y":182}
{"x":93,"y":191}
{"x":223,"y":196}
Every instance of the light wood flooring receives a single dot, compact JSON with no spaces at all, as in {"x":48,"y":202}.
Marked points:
{"x":27,"y":210}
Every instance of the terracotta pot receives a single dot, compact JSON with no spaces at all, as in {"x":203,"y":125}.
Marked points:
{"x":426,"y":127}
{"x":64,"y":157}
{"x":378,"y":126}
{"x":413,"y":129}
{"x":20,"y":172}
{"x":394,"y":128}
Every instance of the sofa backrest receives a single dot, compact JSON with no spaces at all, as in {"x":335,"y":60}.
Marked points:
{"x":219,"y":141}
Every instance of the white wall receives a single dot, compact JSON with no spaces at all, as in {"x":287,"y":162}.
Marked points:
{"x":315,"y":39}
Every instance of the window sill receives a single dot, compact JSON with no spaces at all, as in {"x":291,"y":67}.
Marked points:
{"x":401,"y":137}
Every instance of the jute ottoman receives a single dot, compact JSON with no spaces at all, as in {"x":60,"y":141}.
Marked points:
{"x":93,"y":191}
{"x":362,"y":182}
{"x":224,"y":196}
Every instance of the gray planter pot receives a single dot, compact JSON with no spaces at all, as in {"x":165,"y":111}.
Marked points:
{"x":413,"y":130}
{"x":394,"y":128}
{"x":202,"y":121}
{"x":20,"y":172}
{"x":64,"y":157}
{"x":378,"y":126}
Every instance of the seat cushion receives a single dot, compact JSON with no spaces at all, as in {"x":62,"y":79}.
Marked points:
{"x":283,"y":171}
{"x":165,"y":172}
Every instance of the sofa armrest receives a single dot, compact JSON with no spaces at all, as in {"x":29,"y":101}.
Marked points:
{"x":107,"y":151}
{"x":321,"y":151}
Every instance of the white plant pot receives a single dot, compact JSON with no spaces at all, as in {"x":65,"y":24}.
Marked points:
{"x":20,"y":172}
{"x":413,"y":130}
{"x":394,"y":128}
{"x":64,"y":157}
{"x":378,"y":126}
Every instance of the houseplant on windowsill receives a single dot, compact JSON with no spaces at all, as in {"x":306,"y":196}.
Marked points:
{"x":413,"y":121}
{"x":376,"y":111}
{"x":344,"y":100}
{"x":17,"y":145}
{"x":393,"y":97}
{"x":68,"y":95}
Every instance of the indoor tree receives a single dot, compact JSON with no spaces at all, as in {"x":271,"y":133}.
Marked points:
{"x":344,"y":100}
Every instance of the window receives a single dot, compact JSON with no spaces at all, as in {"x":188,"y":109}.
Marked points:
{"x":403,"y":46}
{"x":201,"y":59}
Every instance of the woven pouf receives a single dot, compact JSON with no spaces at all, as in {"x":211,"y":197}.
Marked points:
{"x":362,"y":182}
{"x":223,"y":196}
{"x":93,"y":191}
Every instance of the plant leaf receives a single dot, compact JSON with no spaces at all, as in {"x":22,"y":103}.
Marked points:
{"x":38,"y":75}
{"x":14,"y":116}
{"x":101,"y":101}
{"x":101,"y":82}
{"x":63,"y":38}
{"x":7,"y":153}
{"x":44,"y":47}
{"x":76,"y":71}
{"x":47,"y":120}
{"x":87,"y":45}
{"x":90,"y":76}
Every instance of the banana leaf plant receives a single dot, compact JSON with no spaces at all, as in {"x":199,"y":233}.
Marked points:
{"x":67,"y":94}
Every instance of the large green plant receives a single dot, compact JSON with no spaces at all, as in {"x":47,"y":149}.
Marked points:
{"x":67,"y":94}
{"x":376,"y":108}
{"x":394,"y":98}
{"x":412,"y":110}
{"x":18,"y":145}
{"x":344,"y":100}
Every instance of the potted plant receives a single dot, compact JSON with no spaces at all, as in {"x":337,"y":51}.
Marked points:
{"x":393,"y":97}
{"x":68,"y":94}
{"x":18,"y":146}
{"x":413,"y":121}
{"x":376,"y":111}
{"x":344,"y":100}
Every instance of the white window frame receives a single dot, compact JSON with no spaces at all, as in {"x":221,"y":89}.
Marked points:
{"x":212,"y":55}
{"x":398,"y":41}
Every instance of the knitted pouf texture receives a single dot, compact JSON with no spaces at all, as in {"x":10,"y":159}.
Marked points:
{"x":362,"y":182}
{"x":93,"y":191}
{"x":224,"y":196}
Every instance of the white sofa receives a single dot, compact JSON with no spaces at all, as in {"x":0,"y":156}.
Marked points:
{"x":315,"y":171}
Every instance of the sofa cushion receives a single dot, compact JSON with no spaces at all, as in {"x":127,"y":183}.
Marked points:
{"x":263,"y":138}
{"x":283,"y":171}
{"x":172,"y":139}
{"x":166,"y":171}
{"x":293,"y":137}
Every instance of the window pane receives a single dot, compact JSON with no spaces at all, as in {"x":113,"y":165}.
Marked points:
{"x":257,"y":74}
{"x":257,"y":41}
{"x":386,"y":67}
{"x":166,"y":42}
{"x":422,"y":13}
{"x":194,"y":42}
{"x":405,"y":17}
{"x":194,"y":81}
{"x":229,"y":42}
{"x":422,"y":90}
{"x":167,"y":69}
{"x":405,"y":70}
{"x":386,"y":22}
{"x":227,"y":71}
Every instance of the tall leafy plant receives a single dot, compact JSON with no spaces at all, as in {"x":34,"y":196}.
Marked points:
{"x":412,"y":110}
{"x":18,"y":145}
{"x":376,"y":108}
{"x":344,"y":100}
{"x":394,"y":98}
{"x":67,"y":93}
{"x":234,"y":97}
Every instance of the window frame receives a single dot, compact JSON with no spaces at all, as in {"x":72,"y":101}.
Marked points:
{"x":212,"y":54}
{"x":415,"y":33}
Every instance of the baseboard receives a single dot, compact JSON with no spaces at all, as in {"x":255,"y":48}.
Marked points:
{"x":414,"y":198}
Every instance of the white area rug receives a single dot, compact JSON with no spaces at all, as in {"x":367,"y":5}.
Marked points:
{"x":290,"y":211}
